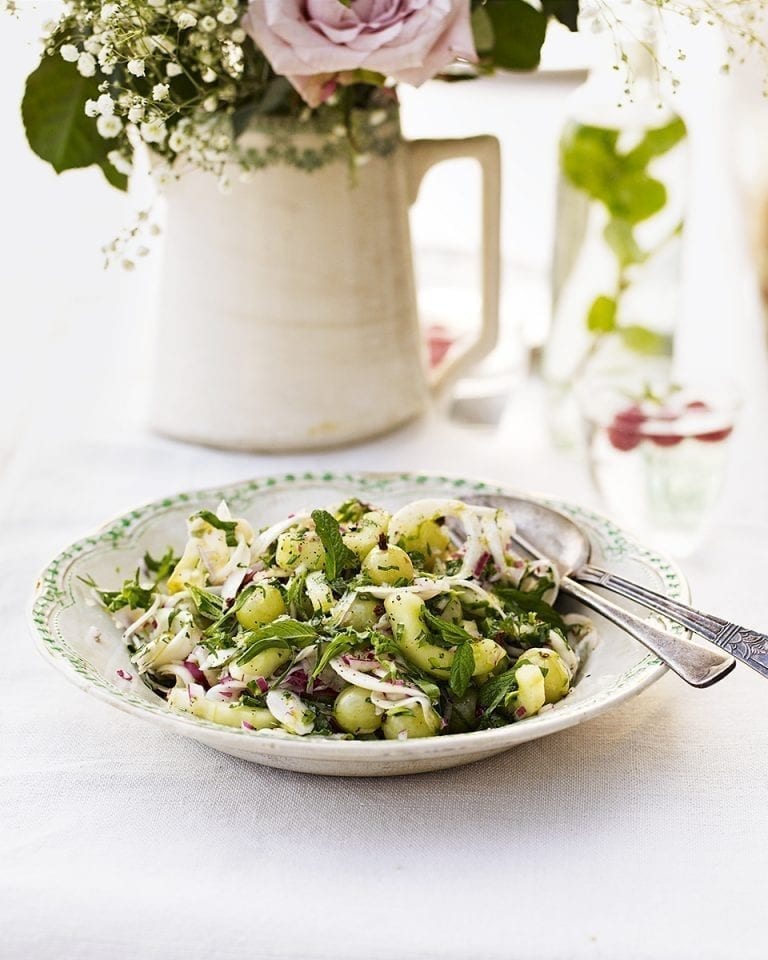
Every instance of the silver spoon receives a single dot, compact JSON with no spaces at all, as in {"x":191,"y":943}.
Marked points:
{"x":549,"y":535}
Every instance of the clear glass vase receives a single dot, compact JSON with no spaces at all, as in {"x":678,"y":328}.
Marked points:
{"x":621,"y":209}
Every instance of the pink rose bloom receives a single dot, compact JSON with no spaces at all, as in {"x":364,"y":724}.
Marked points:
{"x":318,"y":43}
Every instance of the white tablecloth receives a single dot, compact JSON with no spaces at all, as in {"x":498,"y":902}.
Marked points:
{"x":642,"y":834}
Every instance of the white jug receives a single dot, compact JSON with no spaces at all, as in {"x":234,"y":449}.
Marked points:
{"x":286,"y":310}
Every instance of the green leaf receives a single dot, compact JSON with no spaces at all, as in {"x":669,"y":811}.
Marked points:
{"x":530,"y":603}
{"x":620,"y":237}
{"x":647,"y":342}
{"x":495,"y":690}
{"x":163,"y":567}
{"x":53,"y":110}
{"x":228,"y":526}
{"x":601,"y":318}
{"x":482,"y":29}
{"x":462,"y":668}
{"x":131,"y":595}
{"x":566,"y":11}
{"x":635,"y":196}
{"x":208,"y":604}
{"x":656,"y":142}
{"x":338,"y":556}
{"x":341,"y":643}
{"x":285,"y":633}
{"x":445,"y":633}
{"x":518,"y":34}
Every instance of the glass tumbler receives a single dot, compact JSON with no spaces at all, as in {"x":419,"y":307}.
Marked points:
{"x":659,"y":458}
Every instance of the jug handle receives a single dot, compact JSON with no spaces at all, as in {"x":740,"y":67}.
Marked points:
{"x":424,"y":154}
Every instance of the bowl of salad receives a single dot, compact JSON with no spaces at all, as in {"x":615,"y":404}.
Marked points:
{"x":352,"y":625}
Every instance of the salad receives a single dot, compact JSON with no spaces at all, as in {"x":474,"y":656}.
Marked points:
{"x":352,"y":623}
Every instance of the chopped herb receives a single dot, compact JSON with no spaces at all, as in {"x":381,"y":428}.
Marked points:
{"x":163,"y":567}
{"x":338,"y":556}
{"x":208,"y":604}
{"x":341,"y":643}
{"x":280,"y":633}
{"x":444,"y":633}
{"x":497,"y":689}
{"x":521,"y":600}
{"x":131,"y":595}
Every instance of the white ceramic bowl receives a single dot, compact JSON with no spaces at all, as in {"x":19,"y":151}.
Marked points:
{"x":64,"y":619}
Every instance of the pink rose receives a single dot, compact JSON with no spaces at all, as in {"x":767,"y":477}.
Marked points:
{"x":318,"y":43}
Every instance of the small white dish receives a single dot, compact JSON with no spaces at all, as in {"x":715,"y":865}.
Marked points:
{"x":79,"y":639}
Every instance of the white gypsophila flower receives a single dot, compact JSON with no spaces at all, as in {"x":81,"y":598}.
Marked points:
{"x":211,"y":103}
{"x":120,"y":162}
{"x":185,"y":19}
{"x":109,"y":10}
{"x":377,"y":117}
{"x":207,"y":24}
{"x":160,"y":91}
{"x":157,"y":4}
{"x":69,"y":52}
{"x":227,"y":15}
{"x":178,"y":141}
{"x":136,"y":112}
{"x":238,"y":35}
{"x":173,"y":69}
{"x":208,"y":75}
{"x":91,"y":109}
{"x":136,"y":68}
{"x":86,"y":64}
{"x":105,"y":105}
{"x":153,"y":131}
{"x":109,"y":127}
{"x":92,"y":45}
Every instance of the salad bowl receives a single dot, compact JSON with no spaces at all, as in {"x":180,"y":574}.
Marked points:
{"x":79,"y":638}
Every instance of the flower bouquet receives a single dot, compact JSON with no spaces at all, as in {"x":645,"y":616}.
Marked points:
{"x":186,"y":78}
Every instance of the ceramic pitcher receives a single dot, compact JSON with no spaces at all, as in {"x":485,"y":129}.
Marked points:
{"x":286,"y":309}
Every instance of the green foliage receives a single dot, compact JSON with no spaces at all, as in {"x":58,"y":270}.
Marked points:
{"x":442,"y":632}
{"x":494,"y":691}
{"x":55,"y":122}
{"x":131,"y":595}
{"x":462,"y":668}
{"x":163,"y":567}
{"x":642,"y":340}
{"x":281,"y":633}
{"x":227,"y":526}
{"x":511,"y":33}
{"x":602,"y":315}
{"x":566,"y":11}
{"x":338,"y":556}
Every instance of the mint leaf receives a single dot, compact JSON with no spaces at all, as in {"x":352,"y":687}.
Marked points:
{"x":341,"y":643}
{"x":281,"y":633}
{"x":496,"y":689}
{"x":338,"y":556}
{"x":462,"y":668}
{"x":531,"y":603}
{"x":208,"y":604}
{"x":163,"y":567}
{"x":131,"y":595}
{"x":228,"y":526}
{"x":446,"y":634}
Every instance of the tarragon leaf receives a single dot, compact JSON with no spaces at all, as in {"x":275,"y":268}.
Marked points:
{"x":462,"y":668}
{"x":338,"y":556}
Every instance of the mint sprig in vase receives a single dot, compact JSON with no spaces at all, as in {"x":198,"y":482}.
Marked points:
{"x":616,"y":277}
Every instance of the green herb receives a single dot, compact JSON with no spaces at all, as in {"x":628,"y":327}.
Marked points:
{"x":341,"y":643}
{"x":352,"y":510}
{"x":247,"y":700}
{"x":495,"y":690}
{"x":284,"y":634}
{"x":462,"y":668}
{"x":228,"y":526}
{"x":208,"y":604}
{"x":338,"y":556}
{"x":446,"y":634}
{"x":531,"y":603}
{"x":296,"y":598}
{"x":163,"y":567}
{"x":131,"y":594}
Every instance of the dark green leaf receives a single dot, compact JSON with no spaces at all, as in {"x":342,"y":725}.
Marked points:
{"x":208,"y":604}
{"x":163,"y":567}
{"x":601,"y":317}
{"x":444,"y":633}
{"x":53,"y":110}
{"x":482,"y":29}
{"x":495,"y":690}
{"x":341,"y":643}
{"x":566,"y":11}
{"x":338,"y":556}
{"x":518,"y":34}
{"x":285,"y":633}
{"x":530,"y":602}
{"x":228,"y":526}
{"x":131,"y":595}
{"x":462,"y":668}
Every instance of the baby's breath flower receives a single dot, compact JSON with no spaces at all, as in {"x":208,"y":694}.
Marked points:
{"x":136,"y":111}
{"x":227,"y":16}
{"x":91,"y":108}
{"x":109,"y":127}
{"x":207,"y":24}
{"x":160,"y":91}
{"x":105,"y":105}
{"x":238,"y":35}
{"x":120,"y":162}
{"x":153,"y":131}
{"x":173,"y":69}
{"x":109,"y":10}
{"x":185,"y":19}
{"x":69,"y":52}
{"x":86,"y":64}
{"x":211,"y":103}
{"x":136,"y":68}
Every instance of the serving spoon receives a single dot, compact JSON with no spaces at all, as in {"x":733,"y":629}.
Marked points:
{"x":549,"y":535}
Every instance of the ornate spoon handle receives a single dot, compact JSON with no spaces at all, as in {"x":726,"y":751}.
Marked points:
{"x":697,"y":664}
{"x":746,"y":645}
